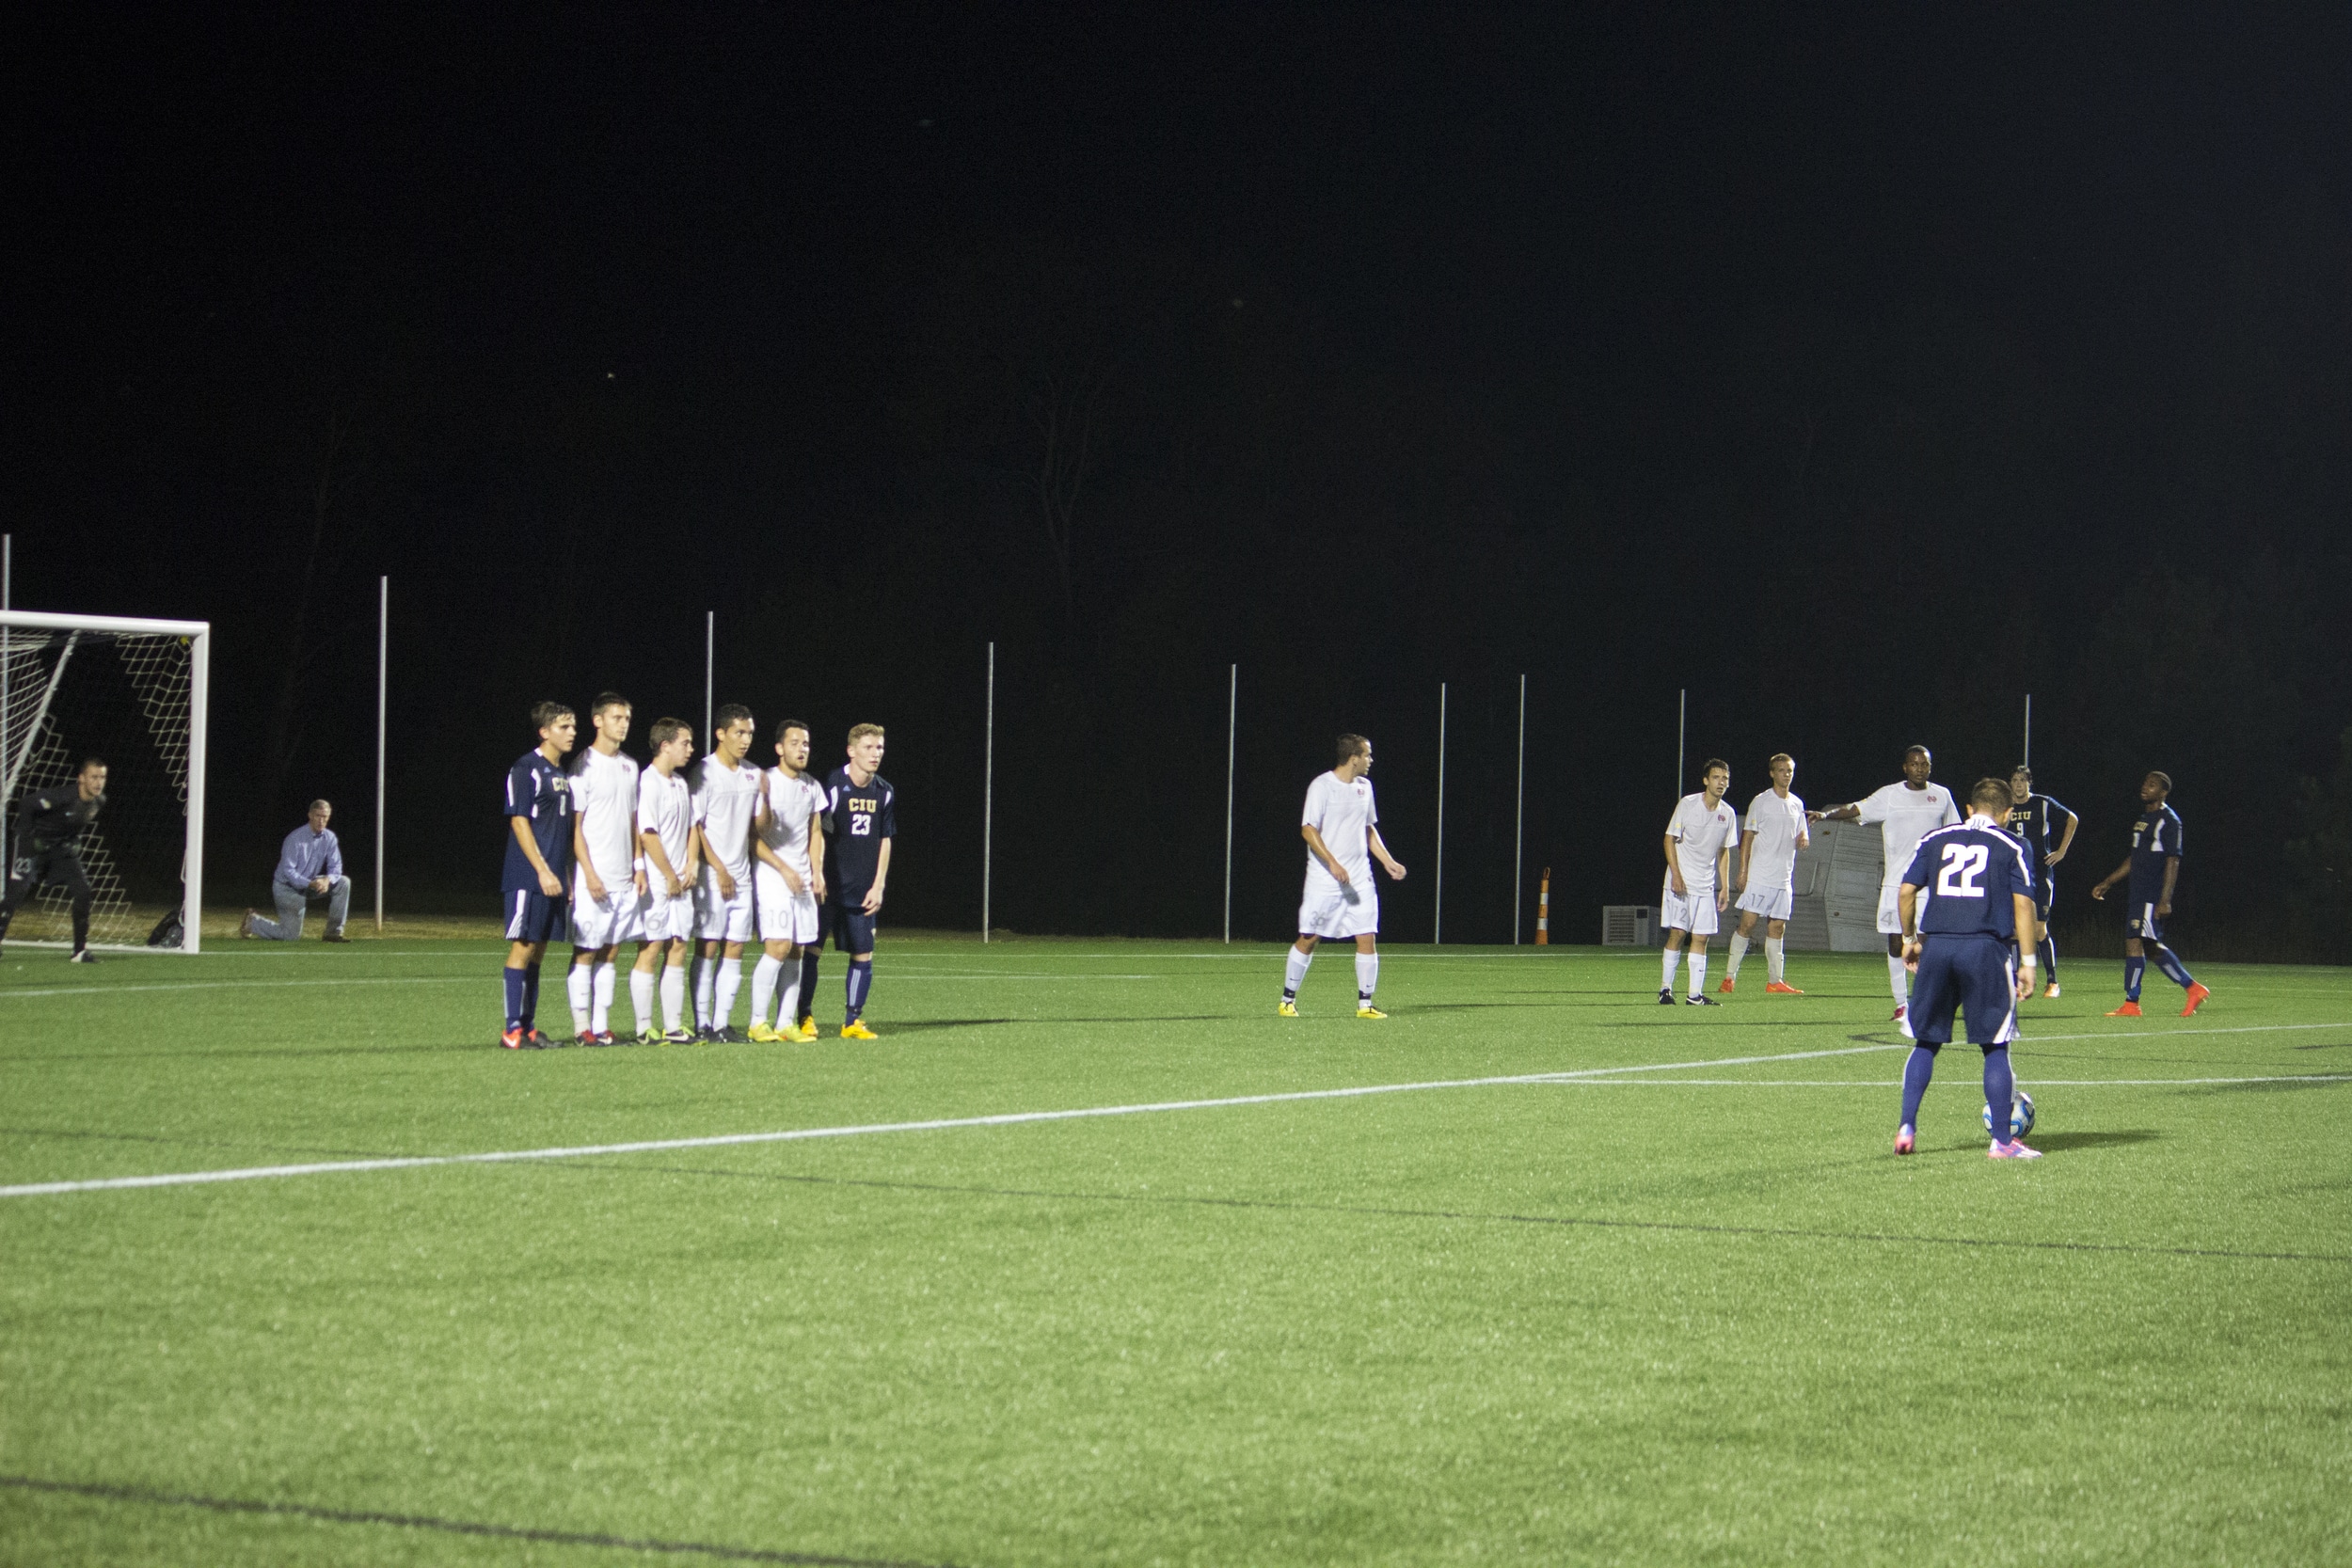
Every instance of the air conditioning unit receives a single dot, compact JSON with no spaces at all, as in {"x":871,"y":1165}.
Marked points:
{"x":1629,"y":925}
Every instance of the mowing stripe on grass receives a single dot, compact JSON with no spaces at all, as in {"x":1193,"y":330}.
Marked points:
{"x":1006,"y":1119}
{"x":447,"y":1526}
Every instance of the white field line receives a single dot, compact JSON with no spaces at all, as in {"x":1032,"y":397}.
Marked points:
{"x":1009,"y":1118}
{"x":1897,"y":1083}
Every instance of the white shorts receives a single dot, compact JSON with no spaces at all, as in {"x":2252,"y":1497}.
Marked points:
{"x":1693,"y":911}
{"x":718,"y":919}
{"x":1329,"y":909}
{"x":668,"y":919}
{"x":1891,"y":908}
{"x":784,"y":914}
{"x":1773,"y":903}
{"x":620,"y":918}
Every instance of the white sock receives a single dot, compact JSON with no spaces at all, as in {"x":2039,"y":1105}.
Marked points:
{"x":706,"y":985}
{"x":730,"y":981}
{"x":575,"y":983}
{"x":1674,"y":961}
{"x":1739,"y":951}
{"x":1898,"y":980}
{"x":1367,"y":977}
{"x":1698,"y":972}
{"x":641,"y":997}
{"x":764,"y":987}
{"x":788,"y":996}
{"x":1295,"y":973}
{"x":1775,"y":959}
{"x":600,"y":1013}
{"x":674,"y":996}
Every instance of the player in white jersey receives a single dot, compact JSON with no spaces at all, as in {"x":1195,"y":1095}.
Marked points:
{"x":1340,"y":828}
{"x":665,"y":838}
{"x":1774,"y":835}
{"x":607,"y":885}
{"x":1698,"y":878}
{"x":1905,"y":814}
{"x":726,"y":799}
{"x":789,"y":843}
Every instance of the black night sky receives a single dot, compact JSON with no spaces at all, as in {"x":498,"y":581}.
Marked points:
{"x":1859,"y":370}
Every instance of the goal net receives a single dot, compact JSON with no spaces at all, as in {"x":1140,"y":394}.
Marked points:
{"x":131,"y":692}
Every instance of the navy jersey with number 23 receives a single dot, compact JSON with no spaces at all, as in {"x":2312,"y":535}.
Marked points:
{"x":857,"y":819}
{"x":1969,"y":873}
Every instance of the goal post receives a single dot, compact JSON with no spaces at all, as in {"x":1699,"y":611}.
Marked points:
{"x":135,"y":693}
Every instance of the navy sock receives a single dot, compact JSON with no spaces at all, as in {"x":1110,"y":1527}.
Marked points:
{"x":515,"y":997}
{"x":2173,"y":970}
{"x":2133,"y":970}
{"x":1916,"y":1071}
{"x":859,"y":981}
{"x":531,"y":996}
{"x":2049,"y":960}
{"x":808,"y":984}
{"x":2000,"y":1090}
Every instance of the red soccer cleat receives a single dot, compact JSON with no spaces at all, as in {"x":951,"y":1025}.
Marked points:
{"x":1726,"y":986}
{"x":1782,"y":988}
{"x":2129,"y":1009}
{"x":1905,"y":1141}
{"x":1900,"y":1010}
{"x":2196,"y":994}
{"x":512,"y":1039}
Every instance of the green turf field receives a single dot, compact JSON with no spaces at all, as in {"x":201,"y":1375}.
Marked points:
{"x":1692,"y":1315}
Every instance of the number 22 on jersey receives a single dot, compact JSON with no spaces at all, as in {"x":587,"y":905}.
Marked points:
{"x":1963,"y":864}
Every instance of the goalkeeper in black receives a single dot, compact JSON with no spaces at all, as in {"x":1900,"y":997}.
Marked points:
{"x":48,"y":849}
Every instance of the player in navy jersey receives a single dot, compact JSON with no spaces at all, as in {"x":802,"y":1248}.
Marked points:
{"x":2035,"y":818}
{"x":2153,"y":866}
{"x":860,"y":820}
{"x":538,"y":868}
{"x":1962,"y":951}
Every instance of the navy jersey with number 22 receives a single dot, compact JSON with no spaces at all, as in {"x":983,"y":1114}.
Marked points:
{"x":858,"y":817}
{"x":1969,"y":873}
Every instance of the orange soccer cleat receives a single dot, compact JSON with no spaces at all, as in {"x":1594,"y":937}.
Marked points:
{"x":1782,"y":988}
{"x":2196,"y":994}
{"x":2129,"y":1009}
{"x":1726,"y":986}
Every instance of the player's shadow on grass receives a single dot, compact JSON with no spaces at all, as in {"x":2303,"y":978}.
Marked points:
{"x":2059,"y":1143}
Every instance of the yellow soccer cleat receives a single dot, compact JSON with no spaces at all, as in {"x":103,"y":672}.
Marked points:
{"x":800,"y":1034}
{"x":855,"y":1030}
{"x":1368,"y":1010}
{"x":765,"y":1033}
{"x":1288,"y":1008}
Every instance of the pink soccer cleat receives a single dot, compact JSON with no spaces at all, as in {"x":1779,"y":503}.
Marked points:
{"x":1905,"y":1140}
{"x":2012,"y":1150}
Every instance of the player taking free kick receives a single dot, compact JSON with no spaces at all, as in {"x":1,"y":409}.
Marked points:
{"x":1963,"y":947}
{"x":789,"y":826}
{"x":1340,"y":828}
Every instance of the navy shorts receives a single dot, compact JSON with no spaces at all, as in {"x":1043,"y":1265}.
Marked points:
{"x":2140,"y":918}
{"x":853,"y":928}
{"x":1972,"y":974}
{"x":533,"y":916}
{"x":2045,"y":892}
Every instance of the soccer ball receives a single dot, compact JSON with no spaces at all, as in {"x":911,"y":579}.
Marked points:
{"x":2020,"y":1116}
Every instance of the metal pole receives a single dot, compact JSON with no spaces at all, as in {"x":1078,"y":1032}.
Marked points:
{"x":1436,"y":923}
{"x":1232,"y":713}
{"x":988,"y":793}
{"x":710,"y":661}
{"x":383,"y":669}
{"x":1519,"y":830}
{"x":1682,"y":719}
{"x":2028,"y":757}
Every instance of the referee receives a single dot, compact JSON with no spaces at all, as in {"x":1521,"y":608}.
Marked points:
{"x":49,"y":850}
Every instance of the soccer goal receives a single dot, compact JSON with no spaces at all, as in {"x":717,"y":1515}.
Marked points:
{"x":133,"y":693}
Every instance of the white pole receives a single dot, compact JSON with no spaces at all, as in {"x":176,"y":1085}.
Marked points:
{"x":1682,"y":718}
{"x":8,"y":583}
{"x":383,"y":669}
{"x":199,"y":702}
{"x":2028,"y":756}
{"x":1436,"y":923}
{"x":710,"y":660}
{"x":988,"y":793}
{"x":1232,"y":714}
{"x":1519,"y":830}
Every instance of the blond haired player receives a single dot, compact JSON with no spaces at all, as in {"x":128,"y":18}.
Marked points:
{"x":1772,"y":837}
{"x":607,"y":886}
{"x":861,"y":823}
{"x":665,"y":837}
{"x":788,"y":846}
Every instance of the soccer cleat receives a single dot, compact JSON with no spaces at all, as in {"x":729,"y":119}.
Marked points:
{"x":1665,"y":996}
{"x":1900,"y":1010}
{"x":765,"y":1033}
{"x":1726,"y":986}
{"x":800,"y":1035}
{"x":81,"y":955}
{"x":807,"y":1026}
{"x":1366,"y":1010}
{"x":2012,"y":1150}
{"x":2051,"y":991}
{"x":512,"y":1039}
{"x":1286,"y":1008}
{"x":706,"y":1035}
{"x":244,"y":927}
{"x":2196,"y":994}
{"x":1782,"y":988}
{"x":728,"y":1035}
{"x":1905,"y":1140}
{"x":648,"y":1037}
{"x":681,"y":1036}
{"x":855,"y":1030}
{"x":334,"y":936}
{"x":1700,"y":998}
{"x":2129,"y":1009}
{"x":534,"y":1040}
